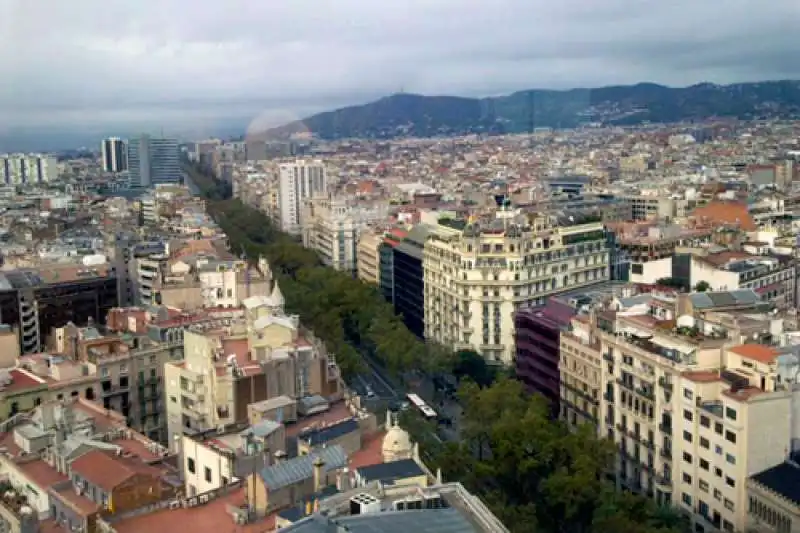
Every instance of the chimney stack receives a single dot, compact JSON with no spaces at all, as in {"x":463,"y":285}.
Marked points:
{"x":318,"y":473}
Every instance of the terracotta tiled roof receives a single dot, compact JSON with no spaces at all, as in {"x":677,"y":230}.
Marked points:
{"x":212,"y":517}
{"x":108,"y":471}
{"x":725,"y":214}
{"x":756,"y":352}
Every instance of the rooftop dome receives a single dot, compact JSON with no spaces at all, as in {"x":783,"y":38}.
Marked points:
{"x":397,"y":442}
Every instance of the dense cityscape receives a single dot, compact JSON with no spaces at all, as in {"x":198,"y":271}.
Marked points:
{"x":588,"y":330}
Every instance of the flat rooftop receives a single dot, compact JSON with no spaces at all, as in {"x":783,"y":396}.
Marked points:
{"x":30,"y":278}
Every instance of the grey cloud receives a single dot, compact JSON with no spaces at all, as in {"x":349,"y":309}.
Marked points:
{"x":137,"y":63}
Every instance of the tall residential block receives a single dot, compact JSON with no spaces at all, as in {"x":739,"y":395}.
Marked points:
{"x":153,"y":161}
{"x":25,"y":169}
{"x":332,"y":226}
{"x":480,"y":272}
{"x":298,"y":182}
{"x":114,"y":155}
{"x":692,"y":410}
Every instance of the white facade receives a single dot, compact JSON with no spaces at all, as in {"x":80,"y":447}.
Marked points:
{"x":219,"y":288}
{"x":332,"y":228}
{"x":114,"y":155}
{"x":23,"y":169}
{"x":692,"y":416}
{"x":205,"y":468}
{"x":478,"y":276}
{"x":651,"y":271}
{"x":299,"y":181}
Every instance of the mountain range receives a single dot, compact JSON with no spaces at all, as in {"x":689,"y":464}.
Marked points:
{"x":414,"y":115}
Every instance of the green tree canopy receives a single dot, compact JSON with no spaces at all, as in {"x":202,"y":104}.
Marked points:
{"x":536,"y":474}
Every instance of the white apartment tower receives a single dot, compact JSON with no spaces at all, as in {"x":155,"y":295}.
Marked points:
{"x":25,"y":169}
{"x":114,"y":154}
{"x":299,"y":181}
{"x":477,"y":275}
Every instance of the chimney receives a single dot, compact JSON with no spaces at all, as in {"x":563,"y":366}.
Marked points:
{"x":319,"y":463}
{"x":343,"y":480}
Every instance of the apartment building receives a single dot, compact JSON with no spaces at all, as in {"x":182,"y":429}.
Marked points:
{"x":207,"y":282}
{"x":773,"y":498}
{"x":297,"y":182}
{"x":129,"y":370}
{"x":27,"y":169}
{"x":229,"y":365}
{"x":332,"y":226}
{"x":693,"y":413}
{"x":73,"y":461}
{"x":407,"y":279}
{"x":773,"y":276}
{"x":479,"y":273}
{"x":114,"y":155}
{"x":368,"y":257}
{"x":642,"y":252}
{"x":655,"y":207}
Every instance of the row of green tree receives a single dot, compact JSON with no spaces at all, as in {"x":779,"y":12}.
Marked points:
{"x":533,"y":472}
{"x":538,"y":475}
{"x":352,"y":317}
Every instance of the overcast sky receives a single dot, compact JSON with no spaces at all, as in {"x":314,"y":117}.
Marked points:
{"x":194,"y":63}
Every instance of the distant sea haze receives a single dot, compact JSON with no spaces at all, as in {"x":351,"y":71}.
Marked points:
{"x":425,"y":116}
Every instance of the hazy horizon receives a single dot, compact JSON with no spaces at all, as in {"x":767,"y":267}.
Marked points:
{"x":183,"y":66}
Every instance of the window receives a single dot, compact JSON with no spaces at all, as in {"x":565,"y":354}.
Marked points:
{"x":718,"y":471}
{"x":190,"y":465}
{"x":687,"y":499}
{"x":718,"y":449}
{"x":704,"y":443}
{"x":687,"y":414}
{"x":687,"y":436}
{"x":207,"y":473}
{"x":123,"y":368}
{"x":730,"y":482}
{"x":687,"y":457}
{"x":728,"y":504}
{"x":705,"y":421}
{"x":687,"y":478}
{"x":104,"y":501}
{"x":688,"y":394}
{"x":727,"y":526}
{"x":730,"y":436}
{"x":718,"y":428}
{"x":730,"y":458}
{"x":703,"y":485}
{"x":104,"y":372}
{"x":730,"y":413}
{"x":704,"y":464}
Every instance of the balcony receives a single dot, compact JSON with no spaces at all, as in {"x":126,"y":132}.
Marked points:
{"x":113,"y":390}
{"x":665,"y":383}
{"x":666,"y":453}
{"x":663,"y":482}
{"x":645,"y":393}
{"x":666,"y":428}
{"x":152,"y":380}
{"x":608,"y":357}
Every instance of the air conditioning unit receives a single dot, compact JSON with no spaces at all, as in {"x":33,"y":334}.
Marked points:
{"x":364,"y":504}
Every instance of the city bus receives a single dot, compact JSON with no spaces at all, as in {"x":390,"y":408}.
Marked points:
{"x":417,"y":402}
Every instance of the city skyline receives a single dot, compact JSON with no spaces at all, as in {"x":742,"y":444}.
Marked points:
{"x":199,"y":69}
